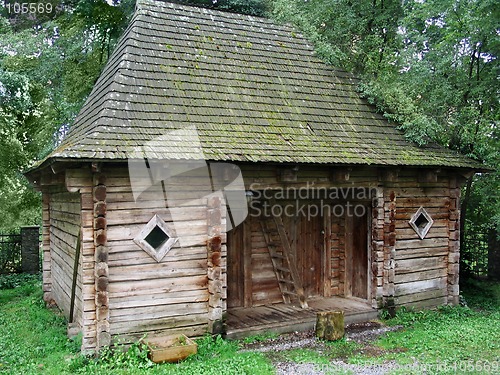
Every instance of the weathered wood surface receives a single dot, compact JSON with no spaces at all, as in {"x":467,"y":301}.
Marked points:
{"x":404,"y":270}
{"x":282,"y":318}
{"x":64,"y":213}
{"x":157,"y":298}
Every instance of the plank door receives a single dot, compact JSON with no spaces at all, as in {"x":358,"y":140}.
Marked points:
{"x":306,"y":239}
{"x":235,"y":274}
{"x":357,"y":256}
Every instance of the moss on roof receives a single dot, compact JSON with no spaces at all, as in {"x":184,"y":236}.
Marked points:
{"x":254,"y":90}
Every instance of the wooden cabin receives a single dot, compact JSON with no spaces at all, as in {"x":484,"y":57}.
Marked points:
{"x":340,"y":211}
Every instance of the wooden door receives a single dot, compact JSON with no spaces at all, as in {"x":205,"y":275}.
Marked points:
{"x":309,"y":249}
{"x":235,"y":290}
{"x":306,"y":239}
{"x":357,"y":255}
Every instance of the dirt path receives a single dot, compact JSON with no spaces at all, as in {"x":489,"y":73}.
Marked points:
{"x":364,"y":334}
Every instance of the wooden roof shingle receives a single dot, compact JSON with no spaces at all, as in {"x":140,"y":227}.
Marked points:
{"x":254,"y":90}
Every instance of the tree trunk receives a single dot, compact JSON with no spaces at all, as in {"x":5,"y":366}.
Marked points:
{"x":330,"y":325}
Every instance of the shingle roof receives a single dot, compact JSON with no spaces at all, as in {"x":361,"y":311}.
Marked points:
{"x":254,"y":90}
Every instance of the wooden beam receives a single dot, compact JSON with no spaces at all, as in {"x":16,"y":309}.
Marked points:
{"x":428,"y":175}
{"x":388,"y":174}
{"x":340,"y":175}
{"x":288,"y":174}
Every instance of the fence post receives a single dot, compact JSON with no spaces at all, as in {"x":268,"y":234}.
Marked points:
{"x":30,"y":249}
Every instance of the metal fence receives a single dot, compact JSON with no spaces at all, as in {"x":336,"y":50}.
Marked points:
{"x":10,"y":253}
{"x":480,"y":252}
{"x":20,"y":252}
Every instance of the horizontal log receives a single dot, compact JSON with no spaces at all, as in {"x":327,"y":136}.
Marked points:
{"x":161,"y":324}
{"x":136,"y":314}
{"x":192,"y":330}
{"x":162,"y":285}
{"x":408,"y":244}
{"x":147,"y":299}
{"x":421,"y":296}
{"x":419,"y":264}
{"x":427,"y":304}
{"x":419,"y":286}
{"x":123,"y":217}
{"x":421,"y":253}
{"x":420,"y":276}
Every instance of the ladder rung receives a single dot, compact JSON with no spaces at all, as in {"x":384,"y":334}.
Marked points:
{"x":276,"y":255}
{"x":285,"y":281}
{"x":289,"y":293}
{"x":282,"y":269}
{"x":274,"y":244}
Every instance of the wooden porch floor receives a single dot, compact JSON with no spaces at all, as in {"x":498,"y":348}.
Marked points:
{"x":281,"y":318}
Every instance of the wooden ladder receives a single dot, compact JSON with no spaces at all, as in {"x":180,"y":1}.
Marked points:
{"x":282,"y":258}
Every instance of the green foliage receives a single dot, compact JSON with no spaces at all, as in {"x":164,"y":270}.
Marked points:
{"x":359,"y":36}
{"x":33,"y":340}
{"x":47,"y":68}
{"x":482,"y":295}
{"x":18,"y":280}
{"x":342,"y":348}
{"x":430,"y":66}
{"x":112,"y":359}
{"x":260,"y":337}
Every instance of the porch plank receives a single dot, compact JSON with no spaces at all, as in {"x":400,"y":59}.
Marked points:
{"x":283,"y":318}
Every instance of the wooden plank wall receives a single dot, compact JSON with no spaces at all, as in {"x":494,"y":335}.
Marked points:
{"x":405,"y":269}
{"x":64,"y":228}
{"x":146,"y":296}
{"x":421,"y":265}
{"x":182,"y":294}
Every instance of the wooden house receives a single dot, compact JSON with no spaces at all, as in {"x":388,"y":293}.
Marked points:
{"x":343,"y":212}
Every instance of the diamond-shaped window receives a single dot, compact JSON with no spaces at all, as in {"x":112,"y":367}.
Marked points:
{"x":156,"y":238}
{"x":421,"y":222}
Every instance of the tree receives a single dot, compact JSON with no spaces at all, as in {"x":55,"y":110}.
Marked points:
{"x":431,"y":67}
{"x":47,"y":68}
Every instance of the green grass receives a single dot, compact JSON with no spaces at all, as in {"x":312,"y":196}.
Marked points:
{"x":33,"y":341}
{"x":448,"y":339}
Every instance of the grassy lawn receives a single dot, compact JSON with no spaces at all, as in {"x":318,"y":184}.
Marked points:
{"x":449,"y":340}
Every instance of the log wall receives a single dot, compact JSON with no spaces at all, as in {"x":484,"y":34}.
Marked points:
{"x":64,"y":213}
{"x":423,"y":272}
{"x":123,"y":293}
{"x":405,"y":270}
{"x":166,"y":297}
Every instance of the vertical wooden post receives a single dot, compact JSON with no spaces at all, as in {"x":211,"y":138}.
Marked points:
{"x":103,"y":334}
{"x":215,"y":264}
{"x":81,"y":181}
{"x":377,"y":243}
{"x":326,"y":256}
{"x":46,"y":260}
{"x":348,"y":255}
{"x":389,"y":252}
